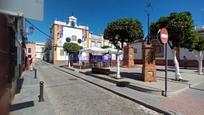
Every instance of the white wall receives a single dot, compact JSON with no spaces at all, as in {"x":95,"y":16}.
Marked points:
{"x":64,"y":57}
{"x":69,"y":32}
{"x":169,"y":53}
{"x":183,"y":52}
{"x":138,"y":47}
{"x":40,"y":50}
{"x":189,"y":55}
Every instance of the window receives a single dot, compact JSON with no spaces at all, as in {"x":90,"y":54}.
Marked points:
{"x":29,"y":50}
{"x":72,"y":24}
{"x":61,"y":52}
{"x":79,"y":41}
{"x":92,"y":44}
{"x":29,"y":56}
{"x":98,"y":44}
{"x":68,"y":39}
{"x":74,"y":38}
{"x":159,"y":50}
{"x":135,"y":50}
{"x":43,"y":49}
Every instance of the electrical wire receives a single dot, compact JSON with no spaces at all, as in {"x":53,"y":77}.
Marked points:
{"x":38,"y":29}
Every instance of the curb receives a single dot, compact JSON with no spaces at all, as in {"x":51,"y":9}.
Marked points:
{"x":155,"y":108}
{"x":138,"y":88}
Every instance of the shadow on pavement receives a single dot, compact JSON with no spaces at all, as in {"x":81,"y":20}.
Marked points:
{"x":197,"y":89}
{"x":23,"y":105}
{"x":134,"y":76}
{"x":19,"y":85}
{"x":171,"y":70}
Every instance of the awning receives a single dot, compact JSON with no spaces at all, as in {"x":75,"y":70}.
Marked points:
{"x":95,"y":50}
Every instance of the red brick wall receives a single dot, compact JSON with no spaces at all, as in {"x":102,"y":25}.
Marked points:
{"x":190,"y":63}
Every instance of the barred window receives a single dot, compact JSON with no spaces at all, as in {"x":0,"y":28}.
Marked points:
{"x":61,"y":52}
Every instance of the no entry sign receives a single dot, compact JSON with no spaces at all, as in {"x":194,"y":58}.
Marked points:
{"x":164,"y":35}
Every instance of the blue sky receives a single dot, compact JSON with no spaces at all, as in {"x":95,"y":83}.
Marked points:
{"x":98,"y":13}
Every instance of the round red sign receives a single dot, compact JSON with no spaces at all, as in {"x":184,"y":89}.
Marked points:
{"x":164,"y":35}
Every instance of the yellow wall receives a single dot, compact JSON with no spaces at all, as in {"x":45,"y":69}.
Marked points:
{"x":55,"y":43}
{"x":87,"y":38}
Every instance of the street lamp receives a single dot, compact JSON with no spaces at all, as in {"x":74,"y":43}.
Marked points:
{"x":148,"y":11}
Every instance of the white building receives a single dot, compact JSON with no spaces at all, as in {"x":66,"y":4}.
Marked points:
{"x":40,"y":47}
{"x":70,"y":31}
{"x":160,"y":51}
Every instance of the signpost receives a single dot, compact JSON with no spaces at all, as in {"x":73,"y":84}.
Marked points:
{"x":164,"y":40}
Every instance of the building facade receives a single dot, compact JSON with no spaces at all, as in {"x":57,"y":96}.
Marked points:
{"x":62,"y":32}
{"x":160,"y":51}
{"x":31,"y":52}
{"x":39,"y":48}
{"x":70,"y":31}
{"x":12,"y":57}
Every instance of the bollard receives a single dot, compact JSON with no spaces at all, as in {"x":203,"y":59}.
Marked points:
{"x":35,"y":70}
{"x":41,"y":91}
{"x":163,"y":93}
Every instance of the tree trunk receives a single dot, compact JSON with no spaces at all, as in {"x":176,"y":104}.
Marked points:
{"x":199,"y":57}
{"x":68,"y":60}
{"x":118,"y":65}
{"x":200,"y":62}
{"x":176,"y":64}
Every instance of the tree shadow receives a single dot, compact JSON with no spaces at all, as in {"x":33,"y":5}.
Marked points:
{"x":19,"y":85}
{"x":171,"y":70}
{"x":23,"y":105}
{"x":197,"y":89}
{"x":131,"y":75}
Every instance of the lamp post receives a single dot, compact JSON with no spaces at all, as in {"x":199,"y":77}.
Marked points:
{"x":202,"y":13}
{"x":148,"y":11}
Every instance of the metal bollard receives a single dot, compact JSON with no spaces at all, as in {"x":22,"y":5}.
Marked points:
{"x":35,"y":70}
{"x":163,"y":93}
{"x":41,"y":91}
{"x":189,"y":85}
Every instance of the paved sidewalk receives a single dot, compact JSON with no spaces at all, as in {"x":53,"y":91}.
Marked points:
{"x":181,"y":99}
{"x":26,"y":98}
{"x":189,"y":102}
{"x":133,"y":75}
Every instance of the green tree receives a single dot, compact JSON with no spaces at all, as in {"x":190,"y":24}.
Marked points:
{"x":71,"y":48}
{"x":125,"y":30}
{"x":180,"y":28}
{"x":120,"y":31}
{"x":197,"y":44}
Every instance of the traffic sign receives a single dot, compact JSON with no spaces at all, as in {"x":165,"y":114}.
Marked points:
{"x":164,"y":35}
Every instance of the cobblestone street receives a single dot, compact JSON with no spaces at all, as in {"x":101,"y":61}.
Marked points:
{"x":70,"y":95}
